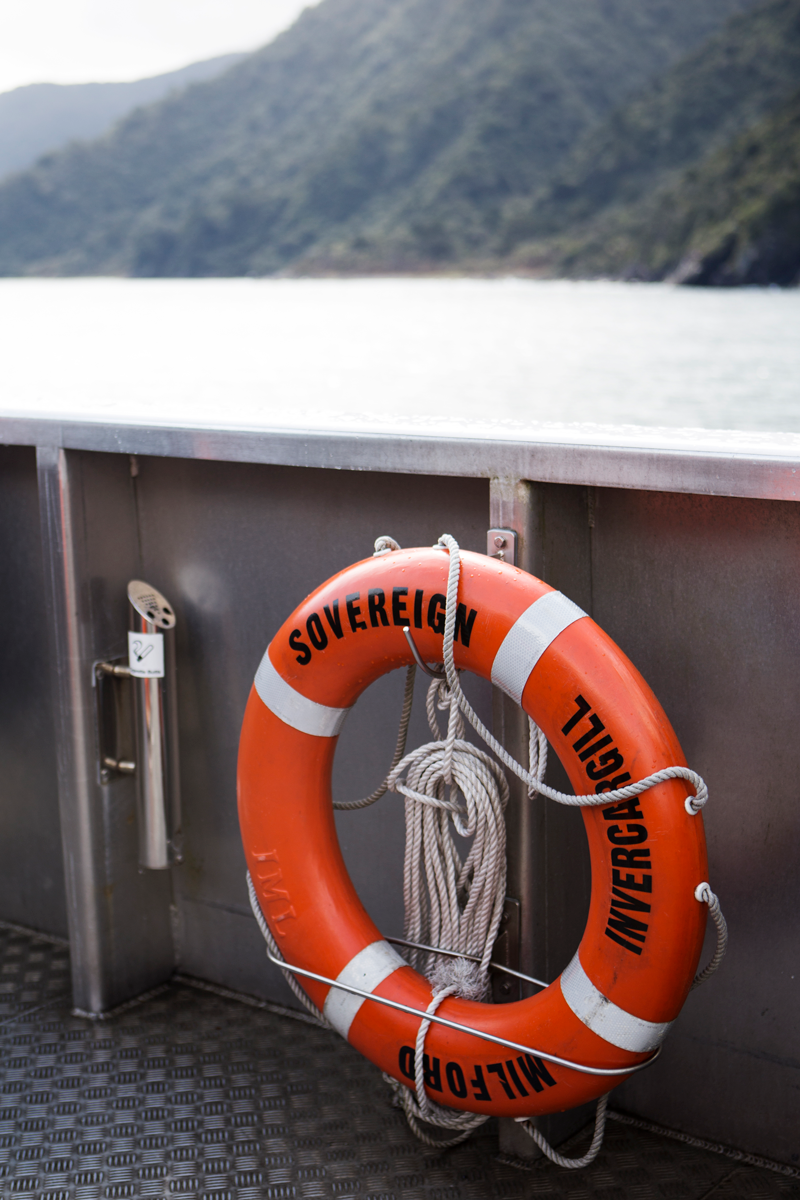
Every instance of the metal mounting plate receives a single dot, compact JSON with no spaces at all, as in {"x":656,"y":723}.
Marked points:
{"x":502,"y":544}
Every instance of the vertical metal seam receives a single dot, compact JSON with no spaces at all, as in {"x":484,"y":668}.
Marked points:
{"x":73,"y":769}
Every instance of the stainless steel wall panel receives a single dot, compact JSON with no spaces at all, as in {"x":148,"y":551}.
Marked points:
{"x":701,"y":593}
{"x":31,"y":865}
{"x":237,"y":547}
{"x":118,"y":917}
{"x":223,"y":945}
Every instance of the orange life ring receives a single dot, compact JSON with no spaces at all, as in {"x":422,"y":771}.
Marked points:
{"x":614,"y":1002}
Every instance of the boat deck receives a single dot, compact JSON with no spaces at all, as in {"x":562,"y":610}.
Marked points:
{"x":193,"y":1091}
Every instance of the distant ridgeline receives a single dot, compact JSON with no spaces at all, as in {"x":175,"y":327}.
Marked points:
{"x":41,"y":117}
{"x":632,"y":138}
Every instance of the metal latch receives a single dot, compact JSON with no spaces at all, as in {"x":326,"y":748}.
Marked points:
{"x":502,"y":544}
{"x":136,"y":703}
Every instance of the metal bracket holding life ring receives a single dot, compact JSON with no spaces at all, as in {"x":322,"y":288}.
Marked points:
{"x":540,"y":648}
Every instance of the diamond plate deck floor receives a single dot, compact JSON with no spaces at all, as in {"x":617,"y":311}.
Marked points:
{"x":191,"y":1092}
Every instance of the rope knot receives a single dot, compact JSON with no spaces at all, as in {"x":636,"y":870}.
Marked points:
{"x":460,"y":977}
{"x":694,"y":804}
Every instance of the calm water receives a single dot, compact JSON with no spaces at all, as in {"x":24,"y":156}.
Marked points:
{"x":400,"y":353}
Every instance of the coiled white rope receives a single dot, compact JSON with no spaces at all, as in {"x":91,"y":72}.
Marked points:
{"x":458,"y":905}
{"x":450,"y":783}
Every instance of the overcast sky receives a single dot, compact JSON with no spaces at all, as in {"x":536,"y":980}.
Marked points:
{"x":78,"y":41}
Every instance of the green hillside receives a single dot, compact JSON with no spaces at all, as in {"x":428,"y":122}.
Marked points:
{"x":398,"y":131}
{"x":733,"y":220}
{"x":707,"y":147}
{"x":738,"y":220}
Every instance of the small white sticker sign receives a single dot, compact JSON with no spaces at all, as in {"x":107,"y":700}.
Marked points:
{"x":146,"y":655}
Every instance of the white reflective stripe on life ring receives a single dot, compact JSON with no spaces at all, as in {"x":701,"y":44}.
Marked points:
{"x":293,"y":709}
{"x":598,"y":1013}
{"x":528,"y":638}
{"x":370,"y":967}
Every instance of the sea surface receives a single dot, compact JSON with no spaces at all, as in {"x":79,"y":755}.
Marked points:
{"x":513,"y":356}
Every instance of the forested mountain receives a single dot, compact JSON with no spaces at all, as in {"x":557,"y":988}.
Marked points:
{"x":697,"y":176}
{"x":733,"y":219}
{"x":736,"y":220}
{"x":390,"y":133}
{"x":46,"y":116}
